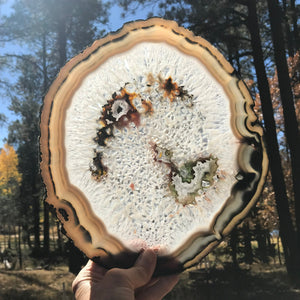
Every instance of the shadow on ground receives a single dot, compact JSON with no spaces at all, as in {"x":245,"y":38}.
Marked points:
{"x":36,"y":284}
{"x":256,"y":282}
{"x":260,"y":282}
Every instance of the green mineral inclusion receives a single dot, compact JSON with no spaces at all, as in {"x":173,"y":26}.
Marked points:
{"x":187,"y":175}
{"x":208,"y":176}
{"x":186,"y":172}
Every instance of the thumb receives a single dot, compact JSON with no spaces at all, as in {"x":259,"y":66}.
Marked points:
{"x":142,"y":271}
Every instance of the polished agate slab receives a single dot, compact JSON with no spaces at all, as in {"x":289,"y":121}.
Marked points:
{"x":149,"y":140}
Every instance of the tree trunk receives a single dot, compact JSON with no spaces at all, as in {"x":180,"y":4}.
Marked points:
{"x":36,"y":215}
{"x":9,"y":237}
{"x":36,"y":223}
{"x":247,"y":244}
{"x":290,"y":119}
{"x":233,"y":242}
{"x":54,"y":237}
{"x":59,"y":239}
{"x":295,"y":25}
{"x":262,"y":245}
{"x":287,"y":231}
{"x":27,"y":237}
{"x":278,"y":249}
{"x":62,"y":41}
{"x":20,"y":248}
{"x":45,"y":71}
{"x":46,"y":229}
{"x":288,"y":34}
{"x":45,"y":87}
{"x":15,"y":238}
{"x":5,"y":237}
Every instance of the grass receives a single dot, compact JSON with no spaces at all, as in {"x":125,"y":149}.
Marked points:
{"x":214,"y":279}
{"x":255,"y":282}
{"x":36,"y":284}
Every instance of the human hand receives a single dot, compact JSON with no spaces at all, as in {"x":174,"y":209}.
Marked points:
{"x":96,"y":283}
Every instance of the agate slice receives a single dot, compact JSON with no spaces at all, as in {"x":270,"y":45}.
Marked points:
{"x":148,"y":139}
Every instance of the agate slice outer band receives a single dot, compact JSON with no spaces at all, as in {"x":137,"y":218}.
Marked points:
{"x":73,"y":209}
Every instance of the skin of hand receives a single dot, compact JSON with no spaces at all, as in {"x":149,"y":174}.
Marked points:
{"x":96,"y":283}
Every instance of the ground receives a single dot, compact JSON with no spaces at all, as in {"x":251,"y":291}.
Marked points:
{"x":36,"y":284}
{"x":255,"y":282}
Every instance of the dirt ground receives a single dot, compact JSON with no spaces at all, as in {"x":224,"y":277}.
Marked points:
{"x":36,"y":284}
{"x":258,"y":282}
{"x":255,"y":282}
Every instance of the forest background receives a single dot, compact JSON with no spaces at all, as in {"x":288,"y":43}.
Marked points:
{"x":261,"y":39}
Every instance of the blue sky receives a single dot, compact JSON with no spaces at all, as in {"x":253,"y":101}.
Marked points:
{"x":115,"y":22}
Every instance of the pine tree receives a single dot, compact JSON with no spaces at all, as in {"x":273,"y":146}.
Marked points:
{"x":10,"y":179}
{"x":50,"y":32}
{"x":241,"y":30}
{"x":9,"y":174}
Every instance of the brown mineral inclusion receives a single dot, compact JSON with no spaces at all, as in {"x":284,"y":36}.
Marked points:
{"x":148,"y":139}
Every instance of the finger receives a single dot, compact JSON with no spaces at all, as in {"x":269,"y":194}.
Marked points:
{"x":142,"y":271}
{"x":96,"y":271}
{"x":81,"y":277}
{"x":82,"y":291}
{"x":139,"y":275}
{"x":160,"y":289}
{"x":91,"y":272}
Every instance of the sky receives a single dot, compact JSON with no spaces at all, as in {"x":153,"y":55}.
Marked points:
{"x":115,"y":23}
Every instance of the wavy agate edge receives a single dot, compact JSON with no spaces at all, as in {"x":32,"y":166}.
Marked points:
{"x":71,"y":206}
